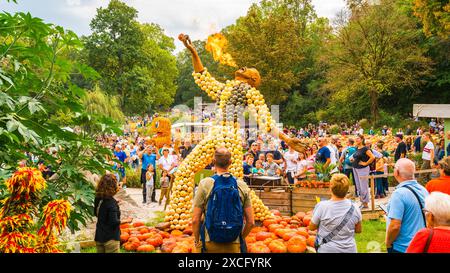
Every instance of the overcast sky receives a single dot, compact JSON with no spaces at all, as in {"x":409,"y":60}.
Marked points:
{"x":198,"y":18}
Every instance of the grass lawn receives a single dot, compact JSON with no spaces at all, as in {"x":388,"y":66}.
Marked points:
{"x":372,"y":237}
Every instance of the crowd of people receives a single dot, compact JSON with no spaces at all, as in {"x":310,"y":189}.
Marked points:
{"x":417,"y":215}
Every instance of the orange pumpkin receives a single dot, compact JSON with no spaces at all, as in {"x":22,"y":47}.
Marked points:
{"x":250,"y":239}
{"x":168,"y":246}
{"x":269,"y":222}
{"x":262,"y":235}
{"x":310,"y":241}
{"x":297,"y":244}
{"x":267,"y":241}
{"x":274,"y":227}
{"x":281,"y":232}
{"x":300,"y":215}
{"x":258,"y":247}
{"x":277,"y":246}
{"x":138,"y":224}
{"x":287,"y":236}
{"x":146,"y":248}
{"x":258,"y":229}
{"x":122,"y":226}
{"x":276,"y":212}
{"x":128,"y":246}
{"x":302,"y":231}
{"x":155,"y":240}
{"x":143,"y":230}
{"x":176,"y":233}
{"x":144,"y":237}
{"x":180,"y":248}
{"x":188,"y":231}
{"x":124,"y":237}
{"x":307,"y":220}
{"x":164,"y":234}
{"x":133,"y":239}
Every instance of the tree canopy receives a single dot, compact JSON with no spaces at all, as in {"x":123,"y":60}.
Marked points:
{"x":134,"y":59}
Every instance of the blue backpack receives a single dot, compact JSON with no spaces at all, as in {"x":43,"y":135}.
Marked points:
{"x":350,"y":151}
{"x":224,"y":215}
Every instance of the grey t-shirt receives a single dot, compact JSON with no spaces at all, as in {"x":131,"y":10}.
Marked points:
{"x":327,"y":215}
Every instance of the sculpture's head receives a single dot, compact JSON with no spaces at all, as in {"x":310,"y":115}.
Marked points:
{"x":248,"y":75}
{"x":161,"y":126}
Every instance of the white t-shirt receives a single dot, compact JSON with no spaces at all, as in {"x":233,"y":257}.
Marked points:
{"x":301,"y":165}
{"x":149,"y":180}
{"x":166,"y":162}
{"x":290,"y":158}
{"x":426,"y":154}
{"x":329,"y":214}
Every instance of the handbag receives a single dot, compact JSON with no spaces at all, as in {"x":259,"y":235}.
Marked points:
{"x":336,"y":230}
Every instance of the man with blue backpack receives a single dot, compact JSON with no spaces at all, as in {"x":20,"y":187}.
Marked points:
{"x":221,"y":204}
{"x":346,"y":163}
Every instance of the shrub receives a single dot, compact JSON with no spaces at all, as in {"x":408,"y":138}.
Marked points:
{"x":133,"y":178}
{"x":364,"y":123}
{"x":334,"y":129}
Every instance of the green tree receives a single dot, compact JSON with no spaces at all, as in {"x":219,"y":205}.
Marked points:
{"x":97,"y":102}
{"x":35,"y":87}
{"x":134,"y":60}
{"x":435,"y":17}
{"x":271,"y":38}
{"x":377,"y":50}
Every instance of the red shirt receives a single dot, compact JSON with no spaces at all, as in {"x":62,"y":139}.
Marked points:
{"x":441,"y":184}
{"x":440,"y":242}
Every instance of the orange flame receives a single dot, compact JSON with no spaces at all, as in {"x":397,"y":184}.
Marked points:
{"x":216,"y":44}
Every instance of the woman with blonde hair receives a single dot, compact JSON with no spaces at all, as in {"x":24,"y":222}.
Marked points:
{"x":435,"y":238}
{"x":337,"y":219}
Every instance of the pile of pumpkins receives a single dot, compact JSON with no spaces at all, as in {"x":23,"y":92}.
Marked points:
{"x":137,"y":237}
{"x":277,"y":234}
{"x":283,"y":234}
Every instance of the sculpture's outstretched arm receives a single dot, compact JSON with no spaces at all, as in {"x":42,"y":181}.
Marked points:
{"x":202,"y":78}
{"x":261,"y":113}
{"x":197,"y":63}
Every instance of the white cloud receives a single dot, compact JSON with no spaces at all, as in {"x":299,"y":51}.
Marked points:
{"x":73,"y":2}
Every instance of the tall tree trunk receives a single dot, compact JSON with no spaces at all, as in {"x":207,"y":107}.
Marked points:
{"x":374,"y":105}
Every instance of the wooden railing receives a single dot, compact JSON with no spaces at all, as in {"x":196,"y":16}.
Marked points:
{"x":372,"y":183}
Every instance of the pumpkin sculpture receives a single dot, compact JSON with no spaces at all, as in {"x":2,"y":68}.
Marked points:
{"x":231,"y":99}
{"x":161,"y":128}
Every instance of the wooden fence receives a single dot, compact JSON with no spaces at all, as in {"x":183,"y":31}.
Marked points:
{"x":372,"y":183}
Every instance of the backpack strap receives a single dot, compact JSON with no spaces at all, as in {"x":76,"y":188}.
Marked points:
{"x":427,"y":245}
{"x":338,"y":228}
{"x":420,"y":203}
